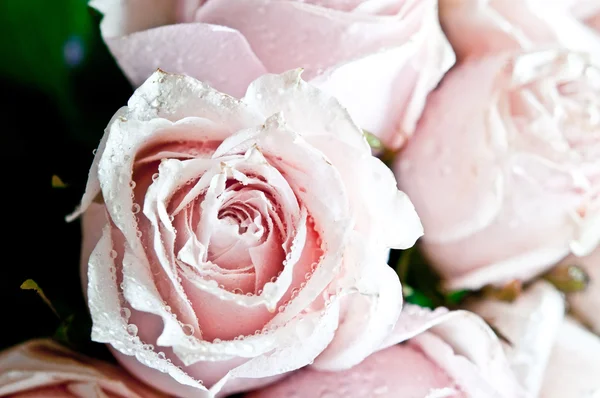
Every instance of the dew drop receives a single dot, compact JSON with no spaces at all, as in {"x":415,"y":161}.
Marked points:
{"x":217,"y":341}
{"x":187,"y":329}
{"x":126,"y":313}
{"x":138,"y":233}
{"x":113,"y":254}
{"x":135,"y":208}
{"x":161,"y":355}
{"x":237,"y":291}
{"x":95,"y":151}
{"x":132,"y":184}
{"x":132,"y":329}
{"x":155,"y":176}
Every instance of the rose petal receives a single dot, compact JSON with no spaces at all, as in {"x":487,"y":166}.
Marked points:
{"x":108,"y":324}
{"x":43,"y":368}
{"x":474,"y":356}
{"x":399,"y":371}
{"x":218,"y":55}
{"x":574,"y":364}
{"x":531,"y":324}
{"x":371,"y":309}
{"x":390,"y":102}
{"x":302,"y":106}
{"x":340,"y":35}
{"x":479,"y":27}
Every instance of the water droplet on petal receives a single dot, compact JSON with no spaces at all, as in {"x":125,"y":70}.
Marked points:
{"x":132,"y":329}
{"x":188,"y":329}
{"x":126,"y":313}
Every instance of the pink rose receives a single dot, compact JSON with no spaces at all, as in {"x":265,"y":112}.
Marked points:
{"x":553,"y":356}
{"x":237,"y":240}
{"x":447,"y":354}
{"x":380,"y":58}
{"x":507,"y":180}
{"x":476,"y":28}
{"x":44,"y":369}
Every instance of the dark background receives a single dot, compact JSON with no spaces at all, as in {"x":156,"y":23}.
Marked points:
{"x":60,"y":87}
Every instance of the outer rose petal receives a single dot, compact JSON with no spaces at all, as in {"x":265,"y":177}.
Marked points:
{"x":574,"y":364}
{"x":283,"y":34}
{"x":449,"y":354}
{"x":585,"y":304}
{"x":472,"y":354}
{"x":531,"y":324}
{"x":219,"y":55}
{"x":371,"y":310}
{"x":43,"y":368}
{"x":476,"y":28}
{"x":392,"y":52}
{"x":399,"y":371}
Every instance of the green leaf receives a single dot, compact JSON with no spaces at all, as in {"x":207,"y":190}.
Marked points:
{"x":416,"y":297}
{"x":30,"y":284}
{"x":62,"y":332}
{"x":57,"y":182}
{"x":457,"y":296}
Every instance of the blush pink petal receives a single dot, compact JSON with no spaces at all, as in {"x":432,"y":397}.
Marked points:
{"x":477,"y":28}
{"x":530,"y":324}
{"x":463,"y":345}
{"x":585,"y":304}
{"x":388,"y":54}
{"x":220,"y":55}
{"x":445,"y":354}
{"x":399,"y":371}
{"x":43,"y":368}
{"x":276,"y":30}
{"x":370,"y":311}
{"x":574,"y":363}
